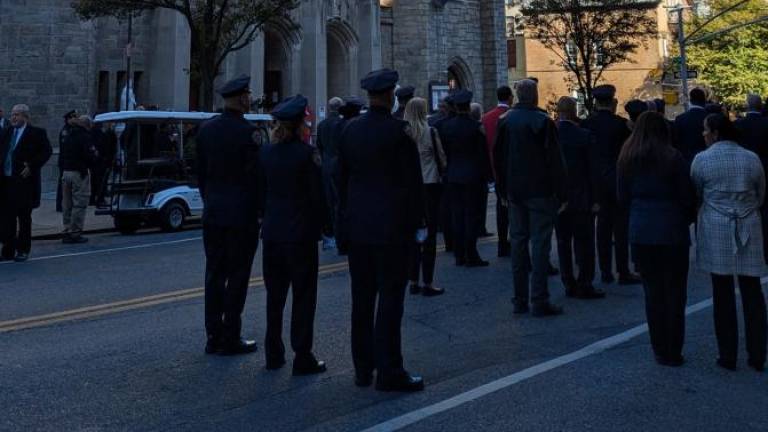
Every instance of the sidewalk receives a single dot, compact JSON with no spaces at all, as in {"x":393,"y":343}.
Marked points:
{"x":47,"y":223}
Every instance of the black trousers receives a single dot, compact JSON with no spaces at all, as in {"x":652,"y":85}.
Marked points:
{"x":17,"y":231}
{"x":502,"y":223}
{"x":483,"y":208}
{"x":466,"y":219}
{"x":229,"y":253}
{"x":446,"y":219}
{"x":332,"y":199}
{"x":664,"y":270}
{"x":726,"y":323}
{"x":377,"y":271}
{"x":290,"y":266}
{"x":613,"y":237}
{"x":422,"y":256}
{"x":576,"y":235}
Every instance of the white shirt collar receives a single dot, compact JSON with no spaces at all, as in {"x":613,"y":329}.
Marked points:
{"x":503,"y":105}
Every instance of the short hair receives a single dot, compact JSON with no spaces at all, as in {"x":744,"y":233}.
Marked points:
{"x":698,"y":97}
{"x":722,"y":126}
{"x":335,"y":103}
{"x":661,"y":106}
{"x":754,"y":102}
{"x":527,"y":91}
{"x":476,"y":111}
{"x":503,"y":93}
{"x":22,"y":109}
{"x":567,"y":105}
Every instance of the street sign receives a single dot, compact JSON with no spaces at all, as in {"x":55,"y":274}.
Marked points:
{"x":692,"y":74}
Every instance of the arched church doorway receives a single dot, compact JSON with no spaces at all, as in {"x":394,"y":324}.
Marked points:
{"x":341,"y":58}
{"x":459,"y":75}
{"x":276,"y":69}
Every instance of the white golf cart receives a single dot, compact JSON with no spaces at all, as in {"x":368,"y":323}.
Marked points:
{"x":153,"y":179}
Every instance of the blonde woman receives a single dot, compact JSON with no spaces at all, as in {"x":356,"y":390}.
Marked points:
{"x":433,"y":163}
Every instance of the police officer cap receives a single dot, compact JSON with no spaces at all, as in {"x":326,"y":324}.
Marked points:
{"x":353,"y":102}
{"x":406,"y":92}
{"x":236,"y":86}
{"x":605,"y":92}
{"x":292,"y":108}
{"x":380,"y":81}
{"x":635,"y":107}
{"x":462,"y":97}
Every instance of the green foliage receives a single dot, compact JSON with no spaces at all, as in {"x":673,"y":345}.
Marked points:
{"x":735,"y":63}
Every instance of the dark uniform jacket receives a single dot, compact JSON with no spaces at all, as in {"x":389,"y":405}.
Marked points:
{"x":689,"y":133}
{"x":294,"y":204}
{"x":34,"y":149}
{"x":610,"y":132}
{"x":754,"y":134}
{"x":465,"y":147}
{"x":77,"y":151}
{"x":576,"y":144}
{"x":661,"y":205}
{"x":527,"y":156}
{"x":228,"y":171}
{"x":327,"y":140}
{"x":380,"y":182}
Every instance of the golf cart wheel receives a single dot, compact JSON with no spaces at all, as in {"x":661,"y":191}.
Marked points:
{"x":127,"y":224}
{"x":172,"y":216}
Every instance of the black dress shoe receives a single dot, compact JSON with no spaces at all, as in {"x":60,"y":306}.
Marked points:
{"x":212,"y":346}
{"x":430,"y":291}
{"x":519,"y":309}
{"x":727,"y":364}
{"x":241,"y":346}
{"x":756,"y":365}
{"x":403,"y":382}
{"x":670,"y":361}
{"x":552,"y":270}
{"x":546,"y":310}
{"x":629,"y":279}
{"x":275,"y":363}
{"x":308,"y":365}
{"x":607,"y":278}
{"x":504,"y":250}
{"x":363,"y":379}
{"x":415,"y":288}
{"x":590,"y":293}
{"x":21,"y":257}
{"x":477,"y":263}
{"x":571,"y":288}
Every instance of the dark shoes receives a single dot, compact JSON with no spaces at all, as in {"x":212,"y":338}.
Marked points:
{"x":430,"y":291}
{"x":363,"y":378}
{"x":590,"y":293}
{"x":676,"y":361}
{"x":275,"y":363}
{"x":758,"y":366}
{"x":504,"y":250}
{"x":607,"y":278}
{"x":629,"y":279}
{"x":212,"y":346}
{"x":21,"y":257}
{"x":415,"y":288}
{"x":477,"y":263}
{"x":552,"y":270}
{"x":726,"y":364}
{"x":460,"y":262}
{"x":402,"y":382}
{"x":546,"y":310}
{"x":308,"y":365}
{"x":78,"y":239}
{"x":241,"y":346}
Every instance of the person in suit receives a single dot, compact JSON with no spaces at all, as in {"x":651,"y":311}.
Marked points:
{"x":490,"y":122}
{"x":24,"y":150}
{"x":436,"y":121}
{"x":293,"y":199}
{"x":753,"y":129}
{"x":610,"y":132}
{"x":403,"y":94}
{"x":381,"y":209}
{"x":351,"y":109}
{"x":327,"y":143}
{"x":689,"y":126}
{"x":655,"y":189}
{"x":575,"y":227}
{"x":466,"y":177}
{"x":228,"y":178}
{"x":531,"y":178}
{"x":730,"y":182}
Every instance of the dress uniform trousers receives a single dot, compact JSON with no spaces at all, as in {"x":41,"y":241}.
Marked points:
{"x":229,"y":253}
{"x":290,"y":266}
{"x":15,"y":221}
{"x":377,"y":271}
{"x":613,"y":236}
{"x":576,"y":236}
{"x":465,"y":210}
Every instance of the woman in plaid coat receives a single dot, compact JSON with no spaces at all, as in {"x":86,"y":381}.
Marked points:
{"x":731,"y":185}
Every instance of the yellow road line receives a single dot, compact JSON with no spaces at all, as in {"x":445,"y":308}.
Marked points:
{"x":144,"y":302}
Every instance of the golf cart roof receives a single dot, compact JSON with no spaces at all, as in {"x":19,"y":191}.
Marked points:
{"x":160,"y":116}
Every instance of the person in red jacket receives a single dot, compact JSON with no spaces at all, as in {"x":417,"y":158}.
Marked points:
{"x":490,"y":121}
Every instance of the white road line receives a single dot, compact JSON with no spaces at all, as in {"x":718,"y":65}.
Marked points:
{"x":118,"y":249}
{"x":418,"y":415}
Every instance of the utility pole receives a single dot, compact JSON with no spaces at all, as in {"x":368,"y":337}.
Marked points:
{"x":128,"y":48}
{"x":681,"y":40}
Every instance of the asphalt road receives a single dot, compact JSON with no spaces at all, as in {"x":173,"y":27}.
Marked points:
{"x":109,"y":336}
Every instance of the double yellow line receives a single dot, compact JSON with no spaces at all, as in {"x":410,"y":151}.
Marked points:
{"x":144,"y":302}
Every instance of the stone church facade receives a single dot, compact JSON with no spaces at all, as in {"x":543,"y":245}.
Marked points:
{"x":54,"y":62}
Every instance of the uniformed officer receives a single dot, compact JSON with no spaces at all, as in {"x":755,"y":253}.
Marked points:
{"x":381,"y":209}
{"x":404,"y":94}
{"x":293,"y":219}
{"x":610,"y":132}
{"x":469,"y":170}
{"x":228,"y":175}
{"x":446,"y":220}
